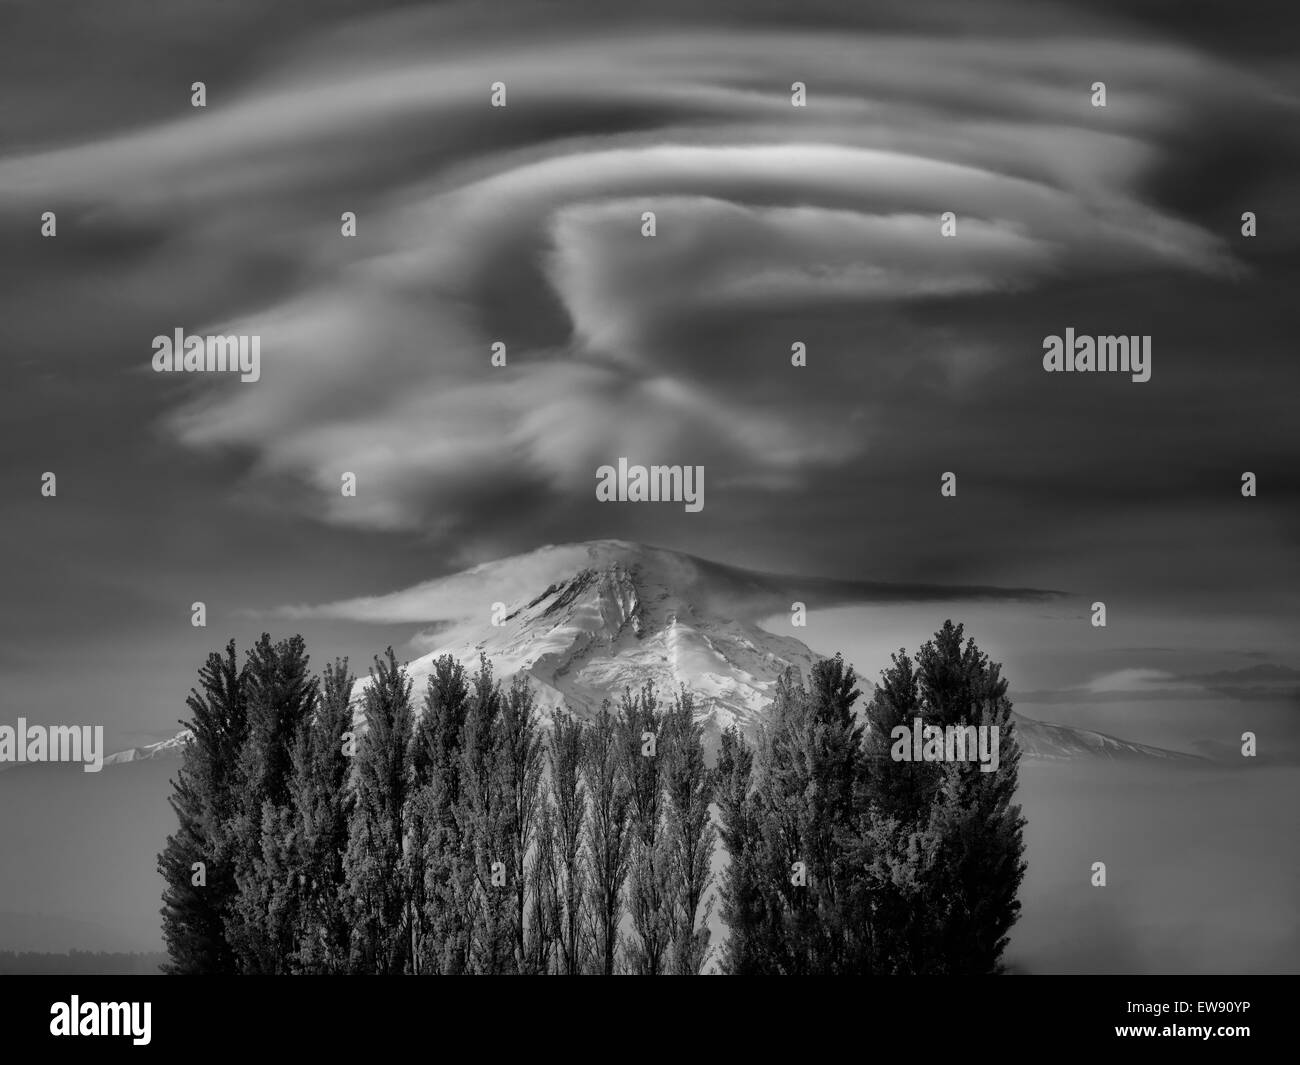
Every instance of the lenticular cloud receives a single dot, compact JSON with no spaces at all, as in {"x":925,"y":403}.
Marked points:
{"x":523,"y":225}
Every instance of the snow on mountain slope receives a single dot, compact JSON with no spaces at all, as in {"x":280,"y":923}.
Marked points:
{"x":169,"y":748}
{"x":612,"y":615}
{"x":1057,"y":743}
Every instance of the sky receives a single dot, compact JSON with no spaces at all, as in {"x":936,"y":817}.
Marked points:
{"x":774,"y":225}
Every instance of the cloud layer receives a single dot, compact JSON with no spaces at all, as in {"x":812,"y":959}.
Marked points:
{"x":523,"y":224}
{"x":775,"y":225}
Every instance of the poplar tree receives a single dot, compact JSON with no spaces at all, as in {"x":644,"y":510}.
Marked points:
{"x":444,"y":940}
{"x":809,"y":765}
{"x":568,"y":794}
{"x":837,"y":765}
{"x":689,"y":834}
{"x":649,"y":891}
{"x":195,"y":862}
{"x":281,"y":697}
{"x":950,"y":872}
{"x":608,"y":838}
{"x":483,"y":816}
{"x":321,"y":797}
{"x":520,"y":767}
{"x":782,"y":857}
{"x":543,"y":917}
{"x":267,"y":909}
{"x":740,"y":893}
{"x":374,"y":860}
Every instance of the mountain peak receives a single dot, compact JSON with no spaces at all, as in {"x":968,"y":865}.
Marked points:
{"x":623,"y":614}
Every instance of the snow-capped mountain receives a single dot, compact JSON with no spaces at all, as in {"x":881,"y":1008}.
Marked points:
{"x":584,"y":621}
{"x":611,"y":615}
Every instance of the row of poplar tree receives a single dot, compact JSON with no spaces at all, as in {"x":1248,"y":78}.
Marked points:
{"x":469,"y":838}
{"x":905,"y":867}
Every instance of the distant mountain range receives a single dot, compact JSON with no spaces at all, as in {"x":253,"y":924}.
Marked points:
{"x":583,"y":621}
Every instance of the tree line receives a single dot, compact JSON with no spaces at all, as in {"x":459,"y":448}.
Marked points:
{"x":470,"y":837}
